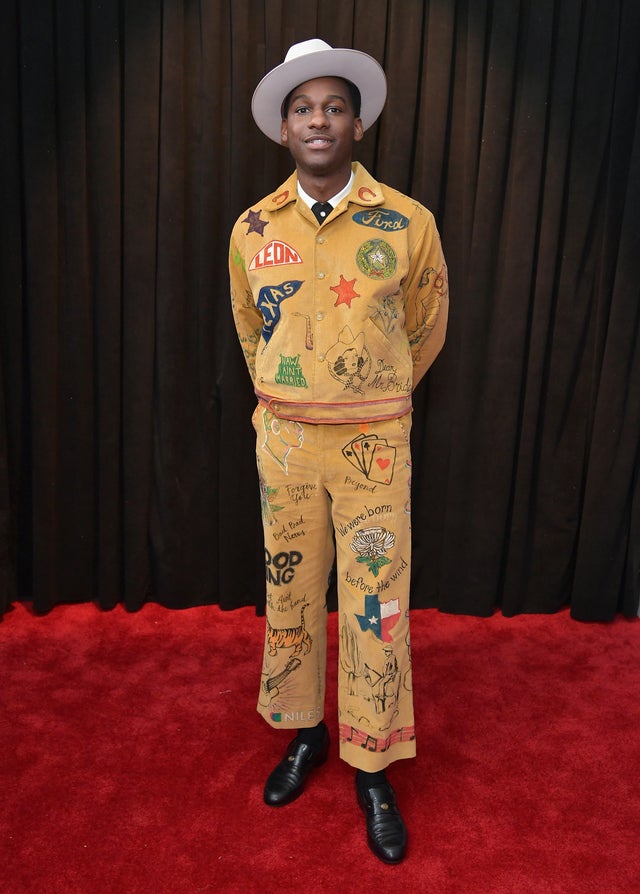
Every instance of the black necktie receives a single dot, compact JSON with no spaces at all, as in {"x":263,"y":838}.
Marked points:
{"x":321,"y":210}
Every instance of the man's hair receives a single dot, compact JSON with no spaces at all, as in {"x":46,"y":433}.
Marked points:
{"x":354,"y":96}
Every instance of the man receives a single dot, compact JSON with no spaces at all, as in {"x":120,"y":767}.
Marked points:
{"x":340,"y":309}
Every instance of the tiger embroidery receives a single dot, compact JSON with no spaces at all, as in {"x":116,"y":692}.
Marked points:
{"x":286,"y":637}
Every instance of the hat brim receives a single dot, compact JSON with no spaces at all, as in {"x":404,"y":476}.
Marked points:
{"x":355,"y":66}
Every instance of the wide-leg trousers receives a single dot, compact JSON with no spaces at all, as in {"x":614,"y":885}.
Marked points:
{"x":338,"y":491}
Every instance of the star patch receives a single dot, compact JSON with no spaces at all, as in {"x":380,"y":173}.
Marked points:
{"x":345,"y":291}
{"x":255,"y":224}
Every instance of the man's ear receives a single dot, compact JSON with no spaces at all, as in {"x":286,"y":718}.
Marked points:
{"x":284,"y":135}
{"x":358,"y":130}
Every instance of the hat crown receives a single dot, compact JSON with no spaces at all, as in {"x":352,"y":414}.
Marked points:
{"x":314,"y":45}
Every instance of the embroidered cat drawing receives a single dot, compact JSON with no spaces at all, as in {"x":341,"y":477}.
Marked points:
{"x":287,"y":637}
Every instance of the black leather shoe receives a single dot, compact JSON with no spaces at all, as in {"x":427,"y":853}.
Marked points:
{"x":386,"y":831}
{"x":286,"y":782}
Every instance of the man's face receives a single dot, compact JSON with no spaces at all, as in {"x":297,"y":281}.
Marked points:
{"x":320,"y":127}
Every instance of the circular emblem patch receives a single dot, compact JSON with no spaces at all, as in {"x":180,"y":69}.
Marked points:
{"x":377,"y":259}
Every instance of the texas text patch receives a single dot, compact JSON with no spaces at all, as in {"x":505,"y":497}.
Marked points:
{"x":269,"y":300}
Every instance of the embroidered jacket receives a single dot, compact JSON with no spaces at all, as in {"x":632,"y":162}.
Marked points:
{"x":338,"y":322}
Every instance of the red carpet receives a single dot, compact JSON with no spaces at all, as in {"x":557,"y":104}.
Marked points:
{"x":133,"y":760}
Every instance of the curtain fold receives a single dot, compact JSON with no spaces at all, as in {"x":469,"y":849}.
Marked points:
{"x":127,"y":467}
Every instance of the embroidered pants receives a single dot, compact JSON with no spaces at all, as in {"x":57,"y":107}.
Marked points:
{"x":343,"y":491}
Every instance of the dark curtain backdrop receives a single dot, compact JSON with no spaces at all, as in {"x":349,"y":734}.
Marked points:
{"x":128,"y":150}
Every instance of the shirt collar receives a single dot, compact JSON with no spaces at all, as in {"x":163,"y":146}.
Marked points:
{"x":339,"y":196}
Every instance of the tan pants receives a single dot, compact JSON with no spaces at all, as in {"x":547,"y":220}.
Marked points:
{"x":347,"y":485}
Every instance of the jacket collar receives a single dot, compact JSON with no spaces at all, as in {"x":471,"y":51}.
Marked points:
{"x":365,"y":191}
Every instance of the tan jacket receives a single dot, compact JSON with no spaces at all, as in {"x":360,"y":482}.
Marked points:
{"x":338,"y":322}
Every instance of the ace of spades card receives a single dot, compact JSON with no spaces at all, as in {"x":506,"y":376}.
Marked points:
{"x":372,"y":456}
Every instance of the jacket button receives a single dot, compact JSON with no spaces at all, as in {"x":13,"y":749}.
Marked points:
{"x":320,"y":275}
{"x":319,"y":315}
{"x":320,"y":357}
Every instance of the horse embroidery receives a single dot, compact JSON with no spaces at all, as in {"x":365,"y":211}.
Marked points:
{"x":286,"y":637}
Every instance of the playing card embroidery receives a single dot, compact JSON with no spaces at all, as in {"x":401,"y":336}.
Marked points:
{"x":372,"y":456}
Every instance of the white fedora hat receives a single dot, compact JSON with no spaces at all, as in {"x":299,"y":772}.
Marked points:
{"x":316,"y":59}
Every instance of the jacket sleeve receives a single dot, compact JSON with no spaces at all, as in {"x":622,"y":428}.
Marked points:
{"x":426,"y":294}
{"x":247,"y":317}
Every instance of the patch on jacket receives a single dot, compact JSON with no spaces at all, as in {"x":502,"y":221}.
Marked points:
{"x":269,"y":300}
{"x":377,"y":259}
{"x":290,"y":372}
{"x":274,"y":254}
{"x":382,"y":219}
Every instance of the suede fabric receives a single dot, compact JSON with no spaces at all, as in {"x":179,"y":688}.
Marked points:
{"x":353,"y":480}
{"x":339,"y":321}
